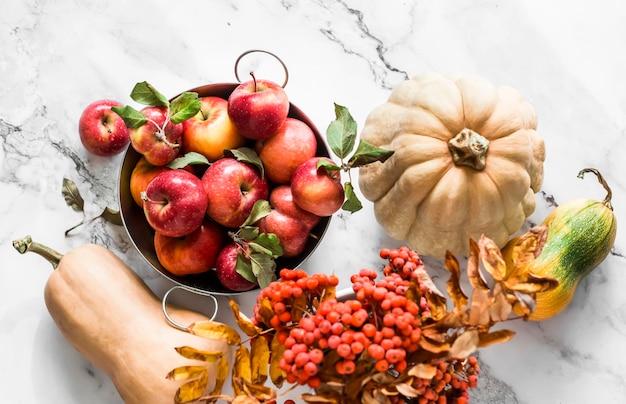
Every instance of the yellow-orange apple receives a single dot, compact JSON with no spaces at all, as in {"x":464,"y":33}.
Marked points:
{"x":282,"y":153}
{"x":142,"y":174}
{"x":211,"y":131}
{"x":194,"y":253}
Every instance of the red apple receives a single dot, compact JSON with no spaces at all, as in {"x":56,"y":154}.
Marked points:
{"x":211,"y":131}
{"x":318,"y":191}
{"x":281,"y":199}
{"x":175,"y":203}
{"x":232,"y":187}
{"x":157,"y":140}
{"x":194,"y":253}
{"x":226,"y":270}
{"x":282,"y":153}
{"x":142,"y":174}
{"x":102,"y":131}
{"x":258,"y":108}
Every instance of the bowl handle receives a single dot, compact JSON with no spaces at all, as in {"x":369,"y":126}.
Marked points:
{"x":173,"y":322}
{"x":262,"y":51}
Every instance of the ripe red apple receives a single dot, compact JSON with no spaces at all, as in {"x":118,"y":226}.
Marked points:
{"x":142,"y":174}
{"x":258,"y":108}
{"x":211,"y":131}
{"x":318,"y":191}
{"x":194,"y":253}
{"x":156,"y":140}
{"x":282,"y":153}
{"x":226,"y":270}
{"x":102,"y":131}
{"x":281,"y":199}
{"x":175,"y":203}
{"x":232,"y":187}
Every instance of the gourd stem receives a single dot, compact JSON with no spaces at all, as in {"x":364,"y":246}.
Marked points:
{"x":609,"y":193}
{"x":469,"y":148}
{"x":27,"y":244}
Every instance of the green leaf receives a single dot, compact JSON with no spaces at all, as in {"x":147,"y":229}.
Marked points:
{"x":352,"y":203}
{"x":367,"y":153}
{"x":267,"y":243}
{"x":247,"y":155}
{"x":341,"y":133}
{"x":188,"y":158}
{"x":243,"y":266}
{"x":264,"y":268}
{"x":132,"y":118}
{"x":260,"y":209}
{"x":144,"y":93}
{"x":248,"y":233}
{"x":72,"y":196}
{"x":184,"y":107}
{"x":329,"y":165}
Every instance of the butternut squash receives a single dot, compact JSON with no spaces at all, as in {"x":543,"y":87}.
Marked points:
{"x":111,"y":317}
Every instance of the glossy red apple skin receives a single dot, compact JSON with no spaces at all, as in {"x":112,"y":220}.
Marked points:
{"x":225,"y":268}
{"x":258,"y":108}
{"x":145,"y":139}
{"x":232,"y":187}
{"x":211,"y":130}
{"x":176,"y":203}
{"x":281,"y":199}
{"x":318,"y":191}
{"x":103,"y":132}
{"x":293,"y":144}
{"x":194,"y":253}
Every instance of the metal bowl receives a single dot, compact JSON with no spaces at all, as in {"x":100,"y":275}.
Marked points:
{"x":142,"y":235}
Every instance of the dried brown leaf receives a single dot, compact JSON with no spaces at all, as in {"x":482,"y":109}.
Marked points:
{"x":525,"y":303}
{"x":423,"y":371}
{"x":243,"y":322}
{"x":500,"y":308}
{"x":277,"y":375}
{"x":185,"y":372}
{"x":265,"y":310}
{"x":192,"y":390}
{"x":298,"y":307}
{"x":329,"y":292}
{"x":474,"y":275}
{"x":479,"y":308}
{"x":196,"y":354}
{"x":407,"y":390}
{"x":530,"y":283}
{"x":526,"y":249}
{"x":259,"y":391}
{"x":215,"y":330}
{"x":492,"y":259}
{"x":433,"y":346}
{"x":454,"y":283}
{"x":495,"y":337}
{"x":241,"y":369}
{"x":318,"y":398}
{"x":260,"y":358}
{"x":465,"y":344}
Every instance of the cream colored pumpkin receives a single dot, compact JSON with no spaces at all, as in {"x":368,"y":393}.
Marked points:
{"x":468,"y":161}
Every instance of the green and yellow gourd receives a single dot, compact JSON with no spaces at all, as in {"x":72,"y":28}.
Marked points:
{"x":581,"y":233}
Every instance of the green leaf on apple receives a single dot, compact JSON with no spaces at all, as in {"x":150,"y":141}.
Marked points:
{"x":264,"y":268}
{"x":352,"y":203}
{"x":367,"y":153}
{"x":329,"y":165}
{"x":132,"y":118}
{"x":267,"y":243}
{"x":248,"y":233}
{"x":244,"y":268}
{"x":184,"y":107}
{"x":260,"y":209}
{"x":187,"y":159}
{"x":341,"y":133}
{"x":145,"y":93}
{"x":246,"y":155}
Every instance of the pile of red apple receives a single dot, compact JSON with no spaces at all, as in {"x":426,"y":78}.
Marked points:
{"x":197,"y":211}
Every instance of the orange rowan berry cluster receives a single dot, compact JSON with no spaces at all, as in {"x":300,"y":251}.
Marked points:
{"x":324,"y":337}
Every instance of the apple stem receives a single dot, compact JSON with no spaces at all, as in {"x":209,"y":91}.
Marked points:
{"x":254,"y":80}
{"x":144,"y":197}
{"x":160,"y":133}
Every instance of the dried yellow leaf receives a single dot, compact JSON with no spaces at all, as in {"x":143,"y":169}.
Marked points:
{"x":465,"y":344}
{"x":423,"y":371}
{"x":474,"y":275}
{"x":530,"y":283}
{"x":407,"y":390}
{"x":492,"y":259}
{"x":192,"y":390}
{"x":265,"y":310}
{"x":527,"y":248}
{"x":495,"y":337}
{"x":196,"y":354}
{"x":298,"y":308}
{"x":453,"y":285}
{"x":215,"y":330}
{"x":244,"y":323}
{"x":221,"y":375}
{"x":185,"y":372}
{"x":277,"y":375}
{"x":260,"y":358}
{"x":479,"y":308}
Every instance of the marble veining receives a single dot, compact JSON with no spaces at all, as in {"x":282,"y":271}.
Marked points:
{"x":56,"y":57}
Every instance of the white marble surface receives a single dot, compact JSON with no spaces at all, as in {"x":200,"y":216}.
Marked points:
{"x":567,"y":58}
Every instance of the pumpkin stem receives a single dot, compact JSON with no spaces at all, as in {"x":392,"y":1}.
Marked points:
{"x":468,"y":148}
{"x":609,"y":193}
{"x":27,"y":244}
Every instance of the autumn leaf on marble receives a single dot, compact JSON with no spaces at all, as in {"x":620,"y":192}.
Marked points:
{"x":74,"y":200}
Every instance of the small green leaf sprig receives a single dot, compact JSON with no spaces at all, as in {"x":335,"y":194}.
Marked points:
{"x":341,"y":135}
{"x":181,"y":108}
